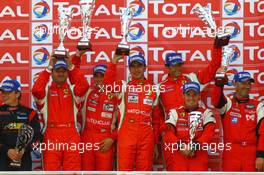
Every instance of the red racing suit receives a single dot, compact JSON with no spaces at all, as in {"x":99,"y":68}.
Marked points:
{"x":98,"y":118}
{"x":59,"y":106}
{"x":178,"y":132}
{"x":243,"y":127}
{"x":138,"y":128}
{"x":171,"y":93}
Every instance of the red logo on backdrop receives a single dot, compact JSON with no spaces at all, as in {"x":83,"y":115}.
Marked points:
{"x":14,"y":56}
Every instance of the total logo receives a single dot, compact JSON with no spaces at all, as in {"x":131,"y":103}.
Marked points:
{"x":41,"y":33}
{"x":237,"y":53}
{"x":137,"y":32}
{"x":138,"y":7}
{"x":235,"y":28}
{"x":41,"y":56}
{"x":41,"y":9}
{"x":232,"y":7}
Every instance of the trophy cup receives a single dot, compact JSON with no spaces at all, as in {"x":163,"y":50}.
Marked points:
{"x":86,"y":7}
{"x":126,"y":16}
{"x":24,"y":137}
{"x":227,"y":55}
{"x":194,"y":123}
{"x":65,"y":17}
{"x":205,"y":14}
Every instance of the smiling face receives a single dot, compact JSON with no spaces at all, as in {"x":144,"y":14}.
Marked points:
{"x":98,"y":79}
{"x":137,"y":70}
{"x":243,"y":88}
{"x":191,"y":99}
{"x":60,"y":75}
{"x":175,"y":70}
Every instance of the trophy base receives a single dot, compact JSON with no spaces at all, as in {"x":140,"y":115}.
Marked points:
{"x":122,"y":49}
{"x":84,"y":45}
{"x":60,"y":54}
{"x":222,"y":40}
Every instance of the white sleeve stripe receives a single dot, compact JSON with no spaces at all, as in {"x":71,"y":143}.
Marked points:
{"x":172,"y":117}
{"x":260,"y":111}
{"x":208,"y":116}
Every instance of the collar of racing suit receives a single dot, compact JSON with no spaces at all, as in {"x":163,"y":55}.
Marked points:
{"x":241,"y":100}
{"x":54,"y":85}
{"x":170,"y":78}
{"x":139,"y":82}
{"x":190,"y":110}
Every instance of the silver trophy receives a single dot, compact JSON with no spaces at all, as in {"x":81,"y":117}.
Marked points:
{"x":86,"y":7}
{"x":24,"y":137}
{"x":227,"y":55}
{"x":65,"y":18}
{"x":126,"y":16}
{"x":194,"y":122}
{"x":205,"y":14}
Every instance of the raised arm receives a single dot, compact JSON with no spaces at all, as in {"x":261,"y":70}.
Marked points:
{"x":207,"y":74}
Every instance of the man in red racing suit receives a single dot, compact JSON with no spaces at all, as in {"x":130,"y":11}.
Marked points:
{"x":188,"y":128}
{"x":243,"y":125}
{"x":98,"y":122}
{"x":171,"y":96}
{"x":58,"y":101}
{"x":138,"y":127}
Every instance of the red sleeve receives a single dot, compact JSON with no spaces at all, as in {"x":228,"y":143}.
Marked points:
{"x":216,"y":95}
{"x":157,"y":113}
{"x":208,"y":133}
{"x":38,"y":90}
{"x":260,"y":146}
{"x":76,"y":61}
{"x":110,"y":74}
{"x":78,"y":79}
{"x":110,"y":79}
{"x":169,"y":135}
{"x":207,"y":74}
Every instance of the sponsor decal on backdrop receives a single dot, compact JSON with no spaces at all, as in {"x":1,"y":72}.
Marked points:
{"x":139,"y":7}
{"x":42,"y":10}
{"x":232,"y":8}
{"x":40,"y":55}
{"x":42,"y":33}
{"x":236,"y":27}
{"x":138,"y":31}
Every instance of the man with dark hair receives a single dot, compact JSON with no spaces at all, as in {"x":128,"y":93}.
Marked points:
{"x":12,"y":117}
{"x":59,"y":102}
{"x":98,"y":121}
{"x":242,"y":120}
{"x":138,"y":127}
